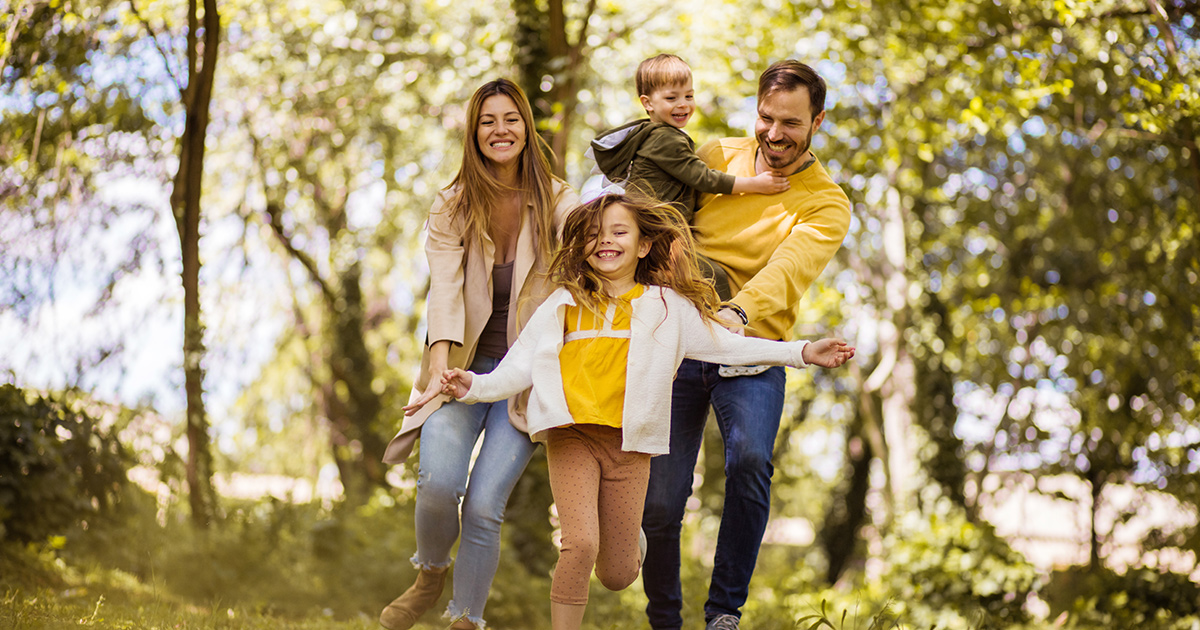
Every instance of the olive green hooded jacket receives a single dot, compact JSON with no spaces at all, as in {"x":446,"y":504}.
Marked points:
{"x":659,"y":160}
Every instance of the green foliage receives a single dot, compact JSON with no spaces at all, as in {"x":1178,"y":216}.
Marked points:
{"x":1139,"y":598}
{"x":943,"y":565}
{"x":58,"y":467}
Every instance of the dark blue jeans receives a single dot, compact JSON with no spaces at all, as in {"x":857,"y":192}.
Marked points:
{"x":748,"y":409}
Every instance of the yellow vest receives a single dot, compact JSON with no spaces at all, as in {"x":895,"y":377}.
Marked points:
{"x":594,"y":360}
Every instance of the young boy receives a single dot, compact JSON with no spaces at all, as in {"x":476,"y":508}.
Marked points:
{"x":656,"y":157}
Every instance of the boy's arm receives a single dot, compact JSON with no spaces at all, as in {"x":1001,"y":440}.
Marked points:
{"x":672,"y":151}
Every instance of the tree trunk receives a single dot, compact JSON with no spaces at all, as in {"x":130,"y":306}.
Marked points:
{"x":546,"y":49}
{"x":839,"y":534}
{"x":358,"y":445}
{"x":185,"y":205}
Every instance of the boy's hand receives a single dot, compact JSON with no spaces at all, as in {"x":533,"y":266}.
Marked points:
{"x":829,"y":353}
{"x":769,"y":183}
{"x":456,"y":382}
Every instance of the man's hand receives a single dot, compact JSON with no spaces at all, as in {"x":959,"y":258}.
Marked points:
{"x":829,"y":353}
{"x":732,"y":321}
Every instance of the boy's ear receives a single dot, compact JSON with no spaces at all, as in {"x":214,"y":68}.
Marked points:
{"x":645,"y":103}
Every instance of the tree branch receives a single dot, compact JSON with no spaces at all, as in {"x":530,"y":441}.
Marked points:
{"x":154,"y":38}
{"x":275,"y":220}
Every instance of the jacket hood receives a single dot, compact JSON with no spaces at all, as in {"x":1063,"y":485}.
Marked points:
{"x":615,"y":149}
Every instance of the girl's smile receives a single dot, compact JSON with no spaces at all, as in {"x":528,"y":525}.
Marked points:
{"x":616,"y":249}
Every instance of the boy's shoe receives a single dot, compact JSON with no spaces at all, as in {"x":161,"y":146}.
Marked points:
{"x":723,"y":622}
{"x":741,"y":370}
{"x":642,"y":547}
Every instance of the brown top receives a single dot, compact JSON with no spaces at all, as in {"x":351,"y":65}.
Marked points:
{"x":493,"y":342}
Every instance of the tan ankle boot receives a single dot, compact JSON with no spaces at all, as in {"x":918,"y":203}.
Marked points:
{"x":404,"y":611}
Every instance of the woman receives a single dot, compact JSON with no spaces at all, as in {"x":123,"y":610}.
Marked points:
{"x":492,"y":233}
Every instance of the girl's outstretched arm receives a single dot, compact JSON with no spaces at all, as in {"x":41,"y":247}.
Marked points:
{"x":829,"y":353}
{"x":454,"y":382}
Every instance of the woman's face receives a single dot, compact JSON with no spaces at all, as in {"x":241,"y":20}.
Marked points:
{"x":500,"y":131}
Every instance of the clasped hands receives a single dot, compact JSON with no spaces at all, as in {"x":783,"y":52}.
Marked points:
{"x":454,"y":382}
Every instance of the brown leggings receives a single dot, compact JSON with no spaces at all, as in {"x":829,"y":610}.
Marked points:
{"x":600,"y":492}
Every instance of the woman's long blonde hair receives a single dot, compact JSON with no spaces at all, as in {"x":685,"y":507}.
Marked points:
{"x":671,"y":261}
{"x":476,"y":190}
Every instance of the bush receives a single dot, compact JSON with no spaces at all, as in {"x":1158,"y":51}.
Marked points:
{"x":1140,"y":598}
{"x":947,"y":571}
{"x":57,"y":467}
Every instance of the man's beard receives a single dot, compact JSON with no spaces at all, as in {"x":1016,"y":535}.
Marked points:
{"x":791,"y":161}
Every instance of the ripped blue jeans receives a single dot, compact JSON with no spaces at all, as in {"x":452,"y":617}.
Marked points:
{"x":446,"y":478}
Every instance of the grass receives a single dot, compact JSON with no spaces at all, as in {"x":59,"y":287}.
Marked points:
{"x":38,"y":591}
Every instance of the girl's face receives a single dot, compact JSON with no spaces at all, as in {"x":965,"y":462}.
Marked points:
{"x":501,"y":130}
{"x":616,"y":249}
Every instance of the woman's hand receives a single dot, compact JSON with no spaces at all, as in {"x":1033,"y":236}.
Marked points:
{"x":431,"y":392}
{"x":457,"y":382}
{"x":453,"y":382}
{"x":829,"y":353}
{"x":439,"y":354}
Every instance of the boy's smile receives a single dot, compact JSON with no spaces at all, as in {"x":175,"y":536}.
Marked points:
{"x":672,"y":104}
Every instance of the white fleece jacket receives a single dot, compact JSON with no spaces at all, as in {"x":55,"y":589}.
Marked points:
{"x":665,"y":329}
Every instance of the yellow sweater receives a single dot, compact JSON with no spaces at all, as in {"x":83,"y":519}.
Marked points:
{"x":773,"y":246}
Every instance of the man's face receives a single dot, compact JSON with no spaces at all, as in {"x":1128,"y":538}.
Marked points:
{"x":784,"y":129}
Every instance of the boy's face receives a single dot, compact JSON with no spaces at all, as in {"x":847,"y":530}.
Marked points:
{"x":672,"y":104}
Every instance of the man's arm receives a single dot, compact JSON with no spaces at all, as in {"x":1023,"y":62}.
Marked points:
{"x":800,"y":258}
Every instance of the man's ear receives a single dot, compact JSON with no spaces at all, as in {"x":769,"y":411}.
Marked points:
{"x":818,"y":120}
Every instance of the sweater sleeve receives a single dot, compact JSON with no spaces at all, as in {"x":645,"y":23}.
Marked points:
{"x":514,"y":374}
{"x":799,"y":259}
{"x":706,"y":341}
{"x":672,"y":151}
{"x":446,"y":253}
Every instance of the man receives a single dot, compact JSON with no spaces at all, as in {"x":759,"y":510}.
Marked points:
{"x":772,"y":247}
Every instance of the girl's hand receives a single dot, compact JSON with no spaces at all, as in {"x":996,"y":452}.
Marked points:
{"x":829,"y":353}
{"x":456,"y":382}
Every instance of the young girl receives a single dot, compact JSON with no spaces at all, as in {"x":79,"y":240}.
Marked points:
{"x":601,"y":353}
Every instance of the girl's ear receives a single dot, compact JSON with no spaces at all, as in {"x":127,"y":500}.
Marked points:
{"x":644,"y":247}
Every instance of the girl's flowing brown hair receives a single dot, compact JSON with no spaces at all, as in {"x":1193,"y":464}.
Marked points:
{"x":477,"y":189}
{"x":671,"y":261}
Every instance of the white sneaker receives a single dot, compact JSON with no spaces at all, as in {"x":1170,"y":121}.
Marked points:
{"x":723,"y":622}
{"x":642,"y":544}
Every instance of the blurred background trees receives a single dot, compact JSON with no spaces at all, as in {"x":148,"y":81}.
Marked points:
{"x":1020,"y":277}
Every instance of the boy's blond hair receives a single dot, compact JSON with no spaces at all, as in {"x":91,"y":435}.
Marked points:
{"x":661,"y":71}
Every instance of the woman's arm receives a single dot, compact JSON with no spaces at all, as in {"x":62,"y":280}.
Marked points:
{"x":445,"y":251}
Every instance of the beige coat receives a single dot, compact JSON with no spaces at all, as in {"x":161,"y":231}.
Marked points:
{"x":460,"y":302}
